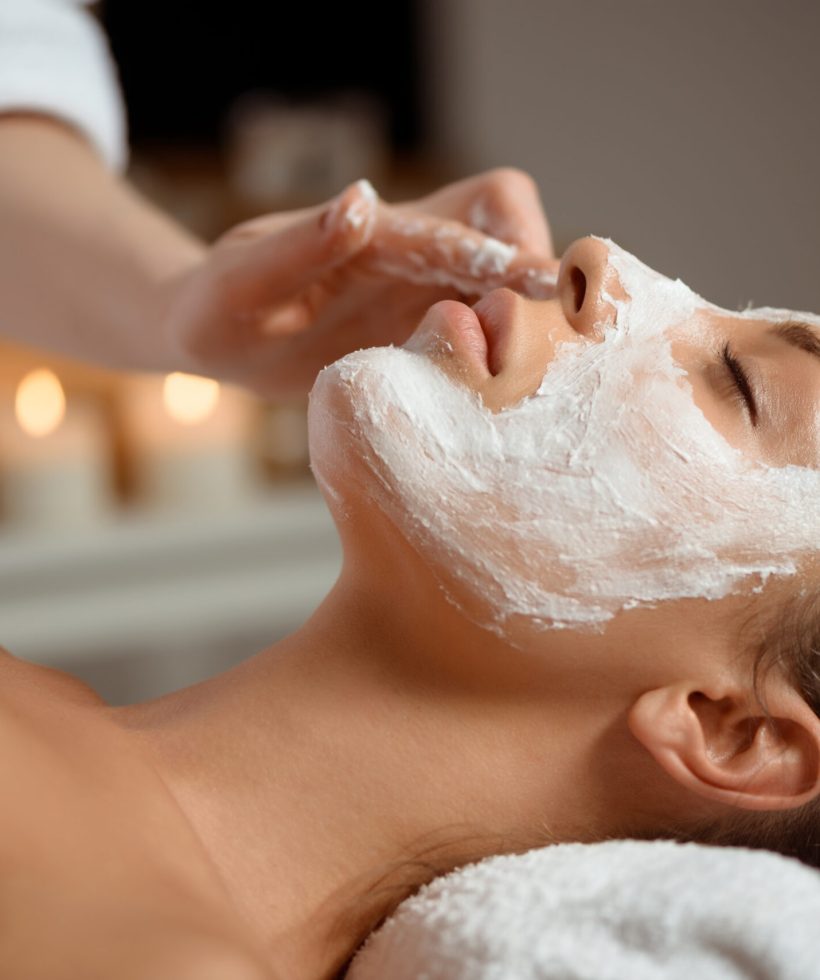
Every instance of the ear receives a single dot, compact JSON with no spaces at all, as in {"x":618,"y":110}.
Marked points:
{"x":718,"y":745}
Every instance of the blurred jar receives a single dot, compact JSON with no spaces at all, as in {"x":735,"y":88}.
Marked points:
{"x":280,"y":154}
{"x":281,"y":439}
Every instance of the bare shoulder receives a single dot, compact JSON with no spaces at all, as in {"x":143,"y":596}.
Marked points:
{"x":99,"y":873}
{"x":81,"y":942}
{"x":211,"y":958}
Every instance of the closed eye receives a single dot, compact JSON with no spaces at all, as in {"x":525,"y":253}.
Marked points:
{"x":739,"y":380}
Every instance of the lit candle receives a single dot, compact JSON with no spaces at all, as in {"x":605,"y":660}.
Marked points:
{"x":55,"y":466}
{"x":189,"y":439}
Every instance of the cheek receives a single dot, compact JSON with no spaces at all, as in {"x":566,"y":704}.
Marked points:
{"x":720,"y":412}
{"x":711,"y":389}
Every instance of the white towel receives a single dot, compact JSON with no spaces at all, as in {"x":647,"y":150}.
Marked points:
{"x":54,"y":59}
{"x":619,"y":910}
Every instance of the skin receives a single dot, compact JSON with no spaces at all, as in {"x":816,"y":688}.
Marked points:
{"x":787,"y":381}
{"x":284,"y":796}
{"x":266,"y":306}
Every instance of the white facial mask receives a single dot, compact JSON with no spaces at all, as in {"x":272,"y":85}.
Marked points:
{"x":605,"y":490}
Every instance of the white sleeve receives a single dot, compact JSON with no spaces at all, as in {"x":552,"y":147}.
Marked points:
{"x":54,"y":59}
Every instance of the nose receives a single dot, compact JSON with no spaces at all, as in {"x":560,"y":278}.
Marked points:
{"x":581,"y":283}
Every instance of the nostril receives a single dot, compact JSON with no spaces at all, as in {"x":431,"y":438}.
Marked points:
{"x":579,"y":287}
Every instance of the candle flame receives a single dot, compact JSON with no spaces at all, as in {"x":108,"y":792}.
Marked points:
{"x":39,"y":403}
{"x":189,"y":399}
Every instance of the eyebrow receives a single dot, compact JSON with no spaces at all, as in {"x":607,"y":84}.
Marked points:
{"x":799,"y":335}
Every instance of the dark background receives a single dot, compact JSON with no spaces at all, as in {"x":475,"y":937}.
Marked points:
{"x":183,"y":66}
{"x":685,"y":130}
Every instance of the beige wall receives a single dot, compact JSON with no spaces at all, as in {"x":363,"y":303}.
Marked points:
{"x":687,"y":131}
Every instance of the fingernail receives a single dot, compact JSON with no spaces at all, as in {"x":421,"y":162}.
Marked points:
{"x":362,"y":210}
{"x":354,"y":208}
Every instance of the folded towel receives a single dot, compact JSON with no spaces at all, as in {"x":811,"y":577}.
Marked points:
{"x":618,"y":910}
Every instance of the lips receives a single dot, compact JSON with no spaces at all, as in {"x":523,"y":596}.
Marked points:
{"x":479,"y":336}
{"x":451,"y":328}
{"x":496,"y":312}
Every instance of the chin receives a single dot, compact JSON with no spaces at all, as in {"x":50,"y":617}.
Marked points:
{"x":379,"y":521}
{"x":350,"y":439}
{"x":338,"y":453}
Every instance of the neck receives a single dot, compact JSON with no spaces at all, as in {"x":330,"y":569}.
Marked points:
{"x":333,"y":772}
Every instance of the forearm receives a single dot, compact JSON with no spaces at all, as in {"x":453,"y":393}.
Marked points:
{"x":83,"y":258}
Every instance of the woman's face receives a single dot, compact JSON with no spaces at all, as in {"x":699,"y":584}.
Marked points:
{"x":620,"y":445}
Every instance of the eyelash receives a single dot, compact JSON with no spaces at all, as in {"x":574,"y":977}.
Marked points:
{"x":739,"y":381}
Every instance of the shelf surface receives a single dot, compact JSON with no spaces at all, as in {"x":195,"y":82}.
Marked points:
{"x":148,"y":580}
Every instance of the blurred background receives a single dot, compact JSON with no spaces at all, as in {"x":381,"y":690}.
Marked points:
{"x":155,"y":530}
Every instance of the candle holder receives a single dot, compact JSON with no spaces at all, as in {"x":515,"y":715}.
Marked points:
{"x":188,"y":440}
{"x":55,"y":456}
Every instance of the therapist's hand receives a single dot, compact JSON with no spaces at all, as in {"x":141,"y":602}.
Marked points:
{"x":277,"y":298}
